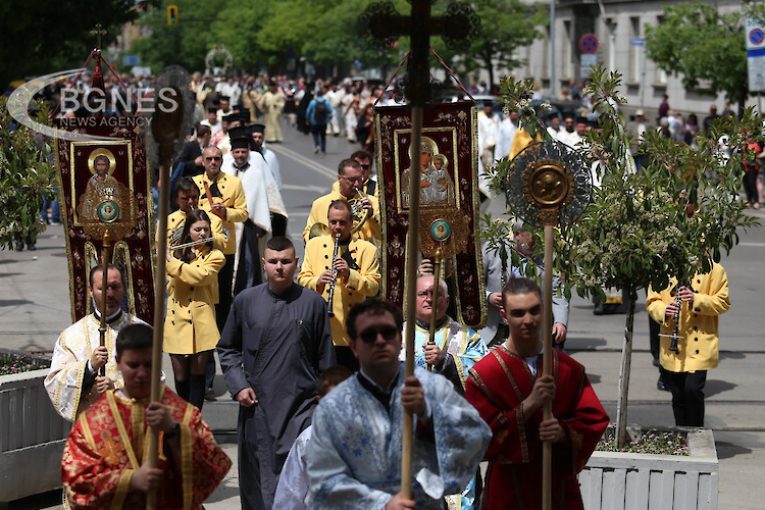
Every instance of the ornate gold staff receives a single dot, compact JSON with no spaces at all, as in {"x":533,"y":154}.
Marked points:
{"x":548,"y":184}
{"x":112,"y":224}
{"x":447,"y":235}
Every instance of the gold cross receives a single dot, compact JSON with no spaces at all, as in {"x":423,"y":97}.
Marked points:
{"x":98,"y":31}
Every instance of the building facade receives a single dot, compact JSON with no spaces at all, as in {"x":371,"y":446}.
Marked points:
{"x":620,"y":28}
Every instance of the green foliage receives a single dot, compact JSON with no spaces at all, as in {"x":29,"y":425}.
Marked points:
{"x":26,"y":176}
{"x":40,"y":37}
{"x":672,"y":218}
{"x":701,"y":43}
{"x":506,"y":26}
{"x":201,"y":26}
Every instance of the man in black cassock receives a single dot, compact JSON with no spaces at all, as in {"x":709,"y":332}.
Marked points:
{"x":274,"y":346}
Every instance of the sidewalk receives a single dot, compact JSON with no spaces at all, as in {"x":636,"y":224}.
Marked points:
{"x":35,"y":307}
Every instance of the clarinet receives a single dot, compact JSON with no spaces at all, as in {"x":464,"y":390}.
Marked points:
{"x":331,"y":300}
{"x":676,"y":331}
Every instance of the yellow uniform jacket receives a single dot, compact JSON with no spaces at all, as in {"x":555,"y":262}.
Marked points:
{"x":177,"y":219}
{"x":698,"y":344}
{"x":363,"y":282}
{"x":191,"y":296}
{"x":369,"y":232}
{"x":232,"y":193}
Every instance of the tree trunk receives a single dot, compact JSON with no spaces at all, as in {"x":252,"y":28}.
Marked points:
{"x":624,"y":373}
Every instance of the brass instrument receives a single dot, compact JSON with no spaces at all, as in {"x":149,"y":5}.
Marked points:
{"x":318,"y":229}
{"x":192,"y":243}
{"x":331,"y":299}
{"x":359,"y":213}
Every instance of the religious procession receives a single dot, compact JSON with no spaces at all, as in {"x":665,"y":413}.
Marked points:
{"x":287,"y":290}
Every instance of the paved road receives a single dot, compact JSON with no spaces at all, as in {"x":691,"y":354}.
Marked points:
{"x":34,"y":307}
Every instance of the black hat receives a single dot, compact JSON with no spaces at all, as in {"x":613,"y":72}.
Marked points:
{"x":212,"y":109}
{"x":238,"y":133}
{"x":245,"y":114}
{"x":582,"y":120}
{"x":224,"y":98}
{"x":231,"y":117}
{"x":257,"y":128}
{"x":240,"y":143}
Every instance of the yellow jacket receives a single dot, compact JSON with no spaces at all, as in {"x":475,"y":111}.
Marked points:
{"x":363,"y":282}
{"x":521,"y":140}
{"x":236,"y":206}
{"x":369,"y":232}
{"x":176,"y":220}
{"x":191,"y":296}
{"x":698,"y":343}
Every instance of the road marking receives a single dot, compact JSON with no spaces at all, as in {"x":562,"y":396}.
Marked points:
{"x":313,"y":188}
{"x":754,"y":245}
{"x":313,"y":165}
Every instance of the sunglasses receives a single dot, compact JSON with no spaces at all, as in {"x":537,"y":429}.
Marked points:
{"x":369,"y":335}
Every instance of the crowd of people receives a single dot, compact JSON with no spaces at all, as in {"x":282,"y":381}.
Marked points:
{"x":287,"y":333}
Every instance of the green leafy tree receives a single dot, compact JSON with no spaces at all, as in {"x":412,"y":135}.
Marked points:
{"x":40,"y":37}
{"x":26,"y":177}
{"x":506,"y":26}
{"x":701,"y":43}
{"x":201,"y":26}
{"x":670,"y":219}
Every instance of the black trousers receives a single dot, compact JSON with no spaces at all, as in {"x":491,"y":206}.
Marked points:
{"x":750,"y":186}
{"x":687,"y":396}
{"x":225,"y":282}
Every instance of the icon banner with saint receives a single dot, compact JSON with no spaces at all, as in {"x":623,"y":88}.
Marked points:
{"x":448,"y":187}
{"x":105,"y":185}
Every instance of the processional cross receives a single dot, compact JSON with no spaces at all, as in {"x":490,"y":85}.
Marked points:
{"x":382,"y":22}
{"x":98,"y":31}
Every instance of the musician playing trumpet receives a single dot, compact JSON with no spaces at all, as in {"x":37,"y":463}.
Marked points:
{"x":351,"y":276}
{"x":191,"y":333}
{"x":350,"y":180}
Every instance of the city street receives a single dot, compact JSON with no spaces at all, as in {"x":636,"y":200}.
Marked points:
{"x":35,"y":307}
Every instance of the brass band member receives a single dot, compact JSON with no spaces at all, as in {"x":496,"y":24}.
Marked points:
{"x":355,"y":272}
{"x":190,"y":329}
{"x":229,"y":204}
{"x":350,"y":178}
{"x":186,"y":196}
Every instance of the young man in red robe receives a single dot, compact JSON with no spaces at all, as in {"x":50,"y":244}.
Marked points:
{"x":509,"y":391}
{"x":103,"y":466}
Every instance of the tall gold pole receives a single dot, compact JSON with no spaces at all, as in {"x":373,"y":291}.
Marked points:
{"x":159,"y":315}
{"x":104,"y":290}
{"x":412,"y":244}
{"x":547,"y":365}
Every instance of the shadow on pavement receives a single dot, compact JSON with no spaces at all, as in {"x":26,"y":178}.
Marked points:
{"x":715,"y":387}
{"x":727,"y":450}
{"x":14,"y":302}
{"x":226,"y":490}
{"x":594,"y":378}
{"x":732,"y":355}
{"x":574,"y":343}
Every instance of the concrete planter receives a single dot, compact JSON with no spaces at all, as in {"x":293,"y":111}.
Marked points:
{"x":32,"y":437}
{"x":613,"y":481}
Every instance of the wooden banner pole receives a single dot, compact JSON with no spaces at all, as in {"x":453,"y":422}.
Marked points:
{"x":547,"y":364}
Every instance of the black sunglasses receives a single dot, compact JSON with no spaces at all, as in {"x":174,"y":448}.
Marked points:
{"x":369,"y":335}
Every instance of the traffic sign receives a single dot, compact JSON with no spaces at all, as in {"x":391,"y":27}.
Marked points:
{"x":637,"y":42}
{"x":586,"y":62}
{"x":172,"y":15}
{"x":754,"y":33}
{"x":589,"y":44}
{"x":131,"y":60}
